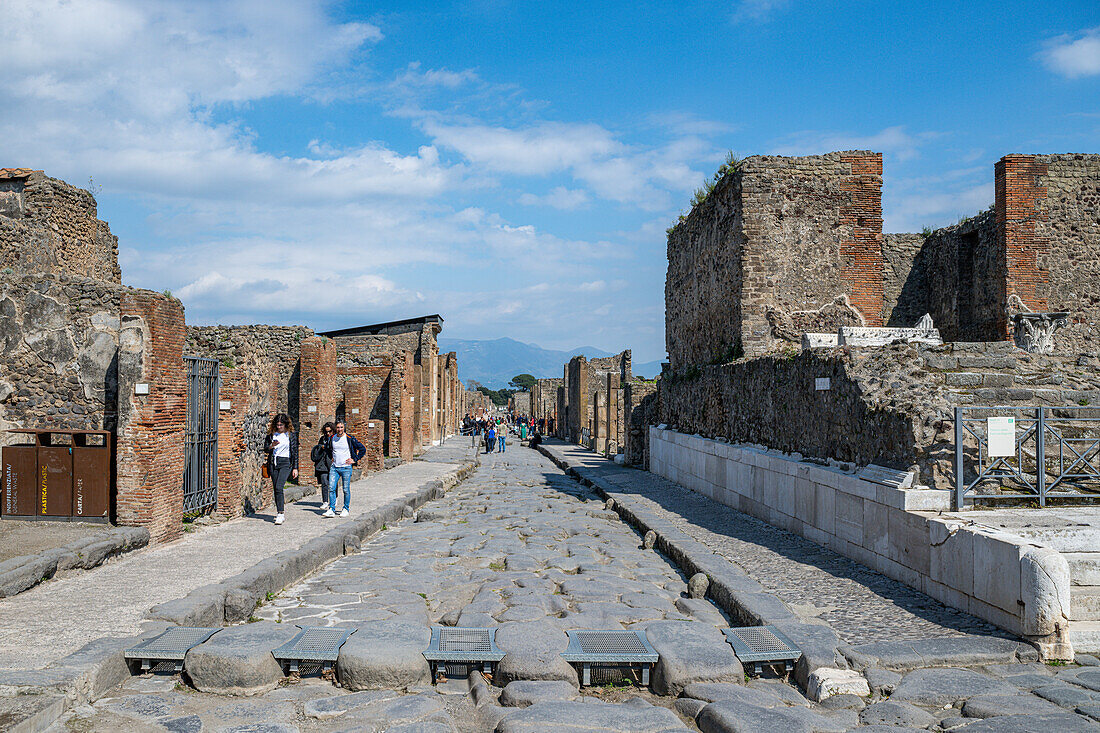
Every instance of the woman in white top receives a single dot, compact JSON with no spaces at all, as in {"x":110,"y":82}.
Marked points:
{"x":281,"y":446}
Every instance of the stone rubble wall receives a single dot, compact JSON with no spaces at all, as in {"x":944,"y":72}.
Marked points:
{"x":59,"y":337}
{"x":47,"y":225}
{"x":780,"y":245}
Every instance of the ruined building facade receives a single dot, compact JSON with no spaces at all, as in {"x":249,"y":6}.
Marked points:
{"x":81,"y":351}
{"x":784,"y":246}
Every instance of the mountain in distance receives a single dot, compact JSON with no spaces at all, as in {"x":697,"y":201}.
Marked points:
{"x":494,"y":362}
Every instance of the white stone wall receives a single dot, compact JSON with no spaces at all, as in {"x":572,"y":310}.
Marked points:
{"x":1000,"y":577}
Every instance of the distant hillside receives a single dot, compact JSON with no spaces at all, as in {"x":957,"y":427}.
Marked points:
{"x":647,"y":369}
{"x":493,"y":363}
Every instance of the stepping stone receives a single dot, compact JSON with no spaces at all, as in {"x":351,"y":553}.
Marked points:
{"x":1062,"y":723}
{"x":939,"y":687}
{"x":586,"y":717}
{"x":424,"y":712}
{"x":726,"y":692}
{"x":690,"y":652}
{"x":990,"y":706}
{"x":237,"y":660}
{"x":533,"y":652}
{"x":898,"y":714}
{"x":524,"y":693}
{"x":327,"y":708}
{"x":1064,"y":695}
{"x":730,"y":717}
{"x":385,"y":655}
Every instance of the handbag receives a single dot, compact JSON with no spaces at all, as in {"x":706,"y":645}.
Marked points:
{"x":264,"y":471}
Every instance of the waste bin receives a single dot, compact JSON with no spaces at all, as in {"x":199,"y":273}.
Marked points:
{"x":20,"y":467}
{"x":66,"y":475}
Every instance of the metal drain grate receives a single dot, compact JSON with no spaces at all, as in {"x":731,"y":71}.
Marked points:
{"x":759,"y":645}
{"x":610,"y":648}
{"x":314,"y":644}
{"x":170,"y":647}
{"x":456,"y":650}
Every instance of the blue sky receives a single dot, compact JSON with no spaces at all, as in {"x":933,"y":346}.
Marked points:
{"x":510,"y":165}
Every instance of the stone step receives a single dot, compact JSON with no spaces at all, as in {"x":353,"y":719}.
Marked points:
{"x":1085,"y":637}
{"x":1084,"y":603}
{"x":978,"y":379}
{"x":1066,"y":538}
{"x":1084,"y":567}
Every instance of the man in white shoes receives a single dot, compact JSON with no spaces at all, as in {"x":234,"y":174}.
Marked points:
{"x":345,"y":451}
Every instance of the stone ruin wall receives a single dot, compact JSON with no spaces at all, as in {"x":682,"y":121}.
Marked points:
{"x":59,"y":337}
{"x":1067,"y":239}
{"x":780,"y":246}
{"x":47,"y":225}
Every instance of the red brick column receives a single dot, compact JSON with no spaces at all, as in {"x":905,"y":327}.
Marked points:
{"x":861,"y":256}
{"x":231,"y":443}
{"x":319,"y":394}
{"x":150,"y":437}
{"x":371,"y":434}
{"x":1019,"y":199}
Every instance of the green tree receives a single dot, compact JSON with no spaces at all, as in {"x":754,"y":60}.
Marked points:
{"x":523,"y":382}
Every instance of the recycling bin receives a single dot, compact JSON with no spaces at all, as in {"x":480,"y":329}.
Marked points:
{"x":65,"y":474}
{"x":20,"y":471}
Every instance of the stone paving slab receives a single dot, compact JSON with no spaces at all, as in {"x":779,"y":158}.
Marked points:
{"x":57,"y":618}
{"x":817,"y":584}
{"x":454,"y":563}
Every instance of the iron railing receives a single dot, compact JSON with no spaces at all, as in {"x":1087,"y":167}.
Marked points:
{"x":200,"y":469}
{"x":1056,"y":455}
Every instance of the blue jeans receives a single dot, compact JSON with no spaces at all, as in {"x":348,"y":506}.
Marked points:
{"x":500,"y":444}
{"x":334,"y":475}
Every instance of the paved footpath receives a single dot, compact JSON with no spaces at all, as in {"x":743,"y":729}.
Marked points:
{"x":56,"y":618}
{"x":521,"y":547}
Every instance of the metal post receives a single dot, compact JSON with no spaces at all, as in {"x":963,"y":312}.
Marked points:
{"x":1041,"y":456}
{"x":959,"y":479}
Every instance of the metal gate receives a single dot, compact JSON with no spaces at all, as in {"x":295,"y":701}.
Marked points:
{"x":1056,"y":455}
{"x":200,"y":468}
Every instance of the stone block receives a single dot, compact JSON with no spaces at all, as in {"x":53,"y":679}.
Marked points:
{"x":237,"y":660}
{"x":825,"y":682}
{"x":849,"y":517}
{"x":876,"y":528}
{"x":824,"y":517}
{"x":1044,"y":590}
{"x":963,"y":379}
{"x":951,"y":554}
{"x":997,"y":569}
{"x":690,"y":652}
{"x":909,"y":544}
{"x":533,"y":652}
{"x":385,"y":654}
{"x":524,"y":693}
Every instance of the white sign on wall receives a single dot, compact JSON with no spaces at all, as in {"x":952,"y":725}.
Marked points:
{"x":1001,"y":436}
{"x":822,"y":383}
{"x":355,"y":411}
{"x":311,"y":408}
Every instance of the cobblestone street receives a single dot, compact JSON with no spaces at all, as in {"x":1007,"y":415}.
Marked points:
{"x":521,"y":547}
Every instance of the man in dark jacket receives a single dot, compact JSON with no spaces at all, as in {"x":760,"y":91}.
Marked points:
{"x":321,"y":455}
{"x":345,"y":452}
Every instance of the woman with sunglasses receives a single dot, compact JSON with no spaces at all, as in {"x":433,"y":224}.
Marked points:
{"x":281,"y":446}
{"x":321,"y":455}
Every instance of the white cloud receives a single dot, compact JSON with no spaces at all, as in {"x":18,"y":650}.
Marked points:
{"x":893,"y":140}
{"x":757,"y":10}
{"x":1074,"y":55}
{"x":559,"y":198}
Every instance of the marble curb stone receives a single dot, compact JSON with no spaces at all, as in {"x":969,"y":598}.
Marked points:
{"x":31,"y":713}
{"x":825,"y":682}
{"x":1062,"y":723}
{"x":387,"y":654}
{"x":237,"y":660}
{"x":26,"y":571}
{"x":939,"y":652}
{"x":946,"y":686}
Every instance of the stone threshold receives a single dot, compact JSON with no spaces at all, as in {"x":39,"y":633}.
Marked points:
{"x":32,"y":699}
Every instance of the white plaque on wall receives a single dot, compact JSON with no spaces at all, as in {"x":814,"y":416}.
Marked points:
{"x":355,"y":411}
{"x":311,"y":408}
{"x":822,"y":383}
{"x":225,"y":405}
{"x":1001,"y":435}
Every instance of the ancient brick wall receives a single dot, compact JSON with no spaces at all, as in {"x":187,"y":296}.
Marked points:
{"x":231,"y":442}
{"x":359,"y":394}
{"x":1065,"y":234}
{"x":904,"y":279}
{"x":780,"y":246}
{"x":521,"y":403}
{"x":372,"y":432}
{"x":965,"y":280}
{"x":320,"y":394}
{"x":151,"y":427}
{"x":59,"y":340}
{"x":46,"y":225}
{"x":578,"y":401}
{"x":638,"y":396}
{"x":405,"y":397}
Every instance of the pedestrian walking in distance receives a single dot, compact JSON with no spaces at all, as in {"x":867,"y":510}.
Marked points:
{"x":321,"y":455}
{"x":281,"y":446}
{"x":490,"y":438}
{"x":500,"y":439}
{"x":345,"y":452}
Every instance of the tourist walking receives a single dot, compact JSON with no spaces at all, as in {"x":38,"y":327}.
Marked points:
{"x":345,"y":452}
{"x":281,"y":446}
{"x":500,"y":439}
{"x":490,"y":438}
{"x":321,"y":455}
